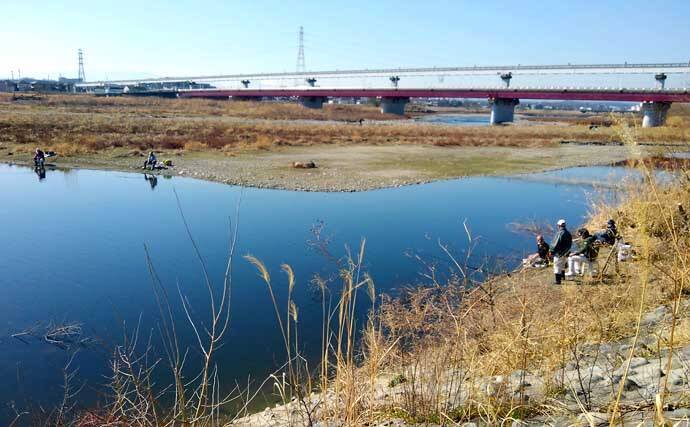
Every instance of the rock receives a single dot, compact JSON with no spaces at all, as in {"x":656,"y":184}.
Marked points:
{"x":594,"y":418}
{"x":645,"y":376}
{"x":638,"y":419}
{"x":624,"y":350}
{"x":516,"y":376}
{"x":678,"y":376}
{"x":638,"y":361}
{"x":392,"y":423}
{"x":679,"y":414}
{"x":630,"y":385}
{"x":494,"y":385}
{"x":526,"y":383}
{"x":655,"y":316}
{"x":606,"y":349}
{"x":586,"y":374}
{"x":303,"y":165}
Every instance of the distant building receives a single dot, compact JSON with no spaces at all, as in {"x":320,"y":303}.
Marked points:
{"x":7,"y":86}
{"x":37,"y":85}
{"x":69,"y":84}
{"x":110,"y":90}
{"x":24,"y":85}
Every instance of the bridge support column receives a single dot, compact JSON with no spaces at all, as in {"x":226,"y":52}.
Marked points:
{"x":394,"y":105}
{"x":654,"y":113}
{"x":312,"y":101}
{"x":502,"y":110}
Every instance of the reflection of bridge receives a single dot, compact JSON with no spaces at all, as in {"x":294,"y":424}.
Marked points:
{"x":405,"y":83}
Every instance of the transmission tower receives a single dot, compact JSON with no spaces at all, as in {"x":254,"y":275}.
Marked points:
{"x":301,"y":67}
{"x":82,"y":76}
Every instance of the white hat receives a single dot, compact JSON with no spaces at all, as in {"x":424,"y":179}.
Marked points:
{"x":561,"y":222}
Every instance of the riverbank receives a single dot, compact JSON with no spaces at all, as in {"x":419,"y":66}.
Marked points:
{"x":255,"y":144}
{"x":611,"y":349}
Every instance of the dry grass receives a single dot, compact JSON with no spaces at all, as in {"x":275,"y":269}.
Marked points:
{"x":81,"y":124}
{"x":163,"y":107}
{"x":451,"y":339}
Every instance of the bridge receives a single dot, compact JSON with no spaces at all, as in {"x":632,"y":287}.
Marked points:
{"x":655,"y":103}
{"x":645,"y":83}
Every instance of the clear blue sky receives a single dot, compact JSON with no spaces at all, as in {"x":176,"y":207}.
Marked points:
{"x":144,"y":38}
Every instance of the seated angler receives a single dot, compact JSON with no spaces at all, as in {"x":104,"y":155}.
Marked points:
{"x":609,"y":235}
{"x":541,"y":257}
{"x":150,"y":161}
{"x":39,"y":158}
{"x":585,"y":255}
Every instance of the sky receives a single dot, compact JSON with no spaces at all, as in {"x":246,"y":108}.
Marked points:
{"x":155,"y":38}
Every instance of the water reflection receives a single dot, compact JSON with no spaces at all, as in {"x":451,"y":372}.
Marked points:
{"x":40,"y":172}
{"x":152,"y":180}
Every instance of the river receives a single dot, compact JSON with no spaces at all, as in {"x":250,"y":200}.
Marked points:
{"x":73,"y":252}
{"x":464,"y":119}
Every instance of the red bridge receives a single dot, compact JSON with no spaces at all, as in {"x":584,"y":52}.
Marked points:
{"x":655,"y":102}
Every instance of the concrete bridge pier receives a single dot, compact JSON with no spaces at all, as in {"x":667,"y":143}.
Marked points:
{"x":654,"y":113}
{"x":315,"y":102}
{"x":394,"y":105}
{"x":502,"y":110}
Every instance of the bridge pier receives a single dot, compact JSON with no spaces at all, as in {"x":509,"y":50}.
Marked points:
{"x":315,"y":102}
{"x":502,"y":110}
{"x":394,"y":105}
{"x":654,"y":113}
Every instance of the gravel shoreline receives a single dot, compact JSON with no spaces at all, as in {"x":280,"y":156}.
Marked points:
{"x":346,"y":169}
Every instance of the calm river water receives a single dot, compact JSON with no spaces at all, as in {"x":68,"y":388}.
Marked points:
{"x":73,"y":252}
{"x":456,"y":119}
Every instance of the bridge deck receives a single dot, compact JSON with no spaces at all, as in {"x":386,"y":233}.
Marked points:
{"x":522,"y":70}
{"x":631,"y":95}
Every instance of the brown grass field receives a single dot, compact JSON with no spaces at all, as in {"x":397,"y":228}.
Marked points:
{"x":85,"y":124}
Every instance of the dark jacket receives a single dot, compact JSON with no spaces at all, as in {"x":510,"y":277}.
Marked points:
{"x":562,"y":243}
{"x":543,"y":250}
{"x":588,"y":249}
{"x":607,"y":236}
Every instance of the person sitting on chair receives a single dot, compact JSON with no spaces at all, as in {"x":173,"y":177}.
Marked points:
{"x":541,"y":258}
{"x":609,"y":235}
{"x":150,"y":161}
{"x":586,"y":254}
